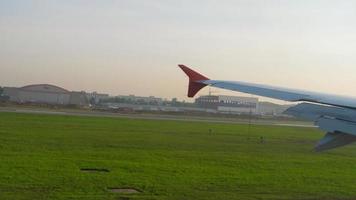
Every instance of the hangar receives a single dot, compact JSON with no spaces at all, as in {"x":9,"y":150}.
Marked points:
{"x":45,"y":94}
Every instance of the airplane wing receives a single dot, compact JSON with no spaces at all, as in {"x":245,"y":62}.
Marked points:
{"x":332,"y":113}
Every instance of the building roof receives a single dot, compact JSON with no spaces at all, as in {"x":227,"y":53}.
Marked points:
{"x":45,"y":88}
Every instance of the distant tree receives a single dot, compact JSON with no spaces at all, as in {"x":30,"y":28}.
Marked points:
{"x":141,"y":102}
{"x":174,"y":101}
{"x":3,"y":98}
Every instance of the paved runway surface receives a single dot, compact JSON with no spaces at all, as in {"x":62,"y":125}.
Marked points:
{"x":161,"y":117}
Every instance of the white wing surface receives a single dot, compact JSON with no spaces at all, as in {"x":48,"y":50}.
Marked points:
{"x":283,"y":93}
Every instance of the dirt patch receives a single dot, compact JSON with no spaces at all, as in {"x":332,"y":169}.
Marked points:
{"x":124,"y":190}
{"x":94,"y":170}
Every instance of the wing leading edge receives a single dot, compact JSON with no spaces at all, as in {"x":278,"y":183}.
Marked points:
{"x":332,"y":113}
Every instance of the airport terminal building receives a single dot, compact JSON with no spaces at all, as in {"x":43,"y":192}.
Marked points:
{"x":228,"y":104}
{"x":45,"y":94}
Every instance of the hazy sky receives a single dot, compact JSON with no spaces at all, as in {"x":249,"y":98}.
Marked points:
{"x":134,"y":46}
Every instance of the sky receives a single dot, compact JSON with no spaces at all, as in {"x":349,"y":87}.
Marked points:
{"x":134,"y":46}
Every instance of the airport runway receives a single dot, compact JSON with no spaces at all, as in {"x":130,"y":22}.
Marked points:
{"x":162,"y":117}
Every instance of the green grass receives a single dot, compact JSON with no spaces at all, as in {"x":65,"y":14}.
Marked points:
{"x":41,"y":157}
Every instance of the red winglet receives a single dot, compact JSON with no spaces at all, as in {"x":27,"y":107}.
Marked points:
{"x":194,"y":86}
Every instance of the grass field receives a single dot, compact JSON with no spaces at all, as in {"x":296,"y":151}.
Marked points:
{"x":41,"y":157}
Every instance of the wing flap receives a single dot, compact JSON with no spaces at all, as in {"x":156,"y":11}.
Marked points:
{"x":314,"y":111}
{"x":334,"y":125}
{"x":334,"y":140}
{"x":337,"y":122}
